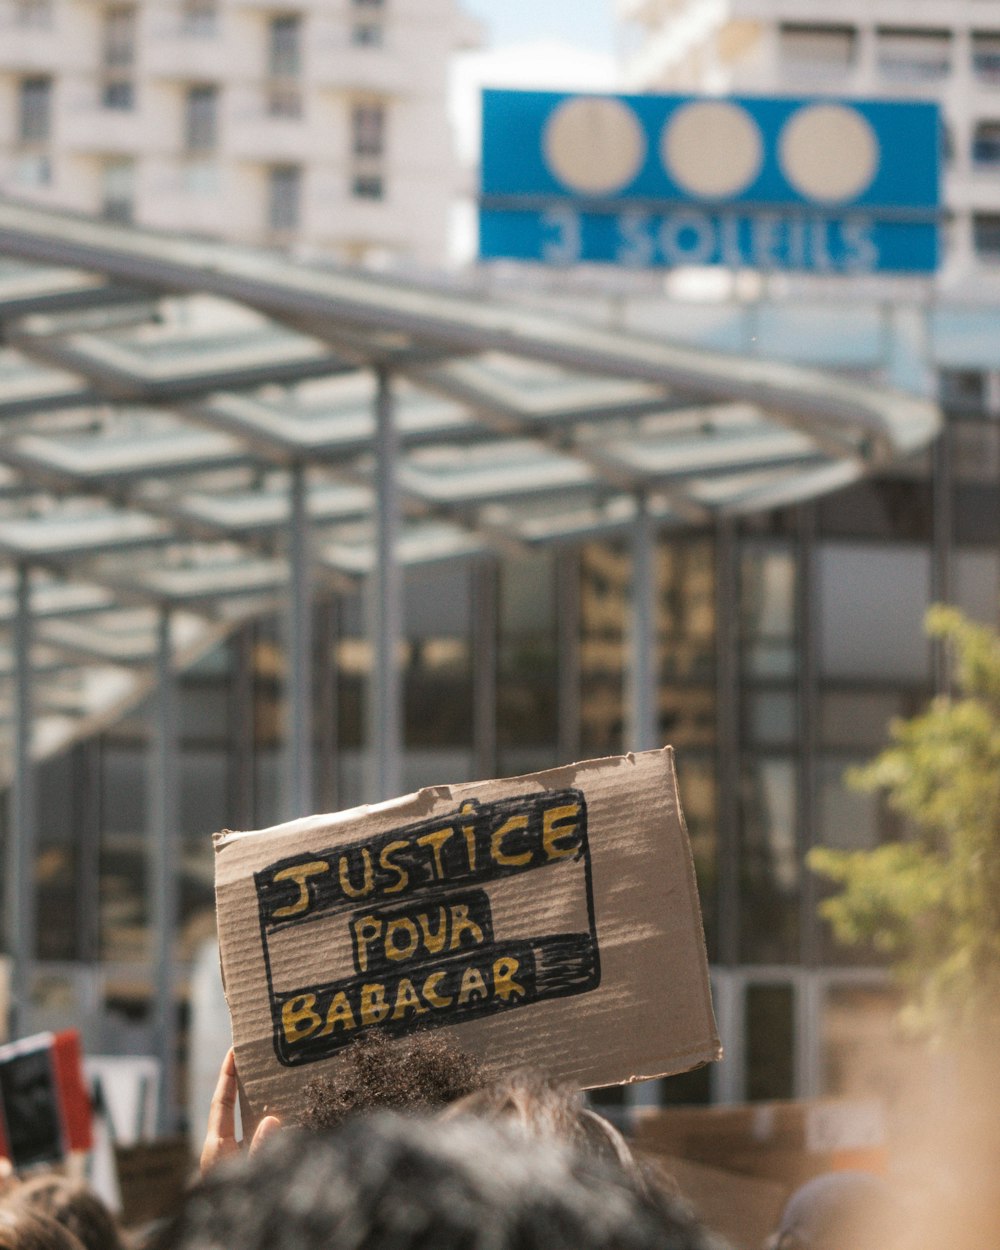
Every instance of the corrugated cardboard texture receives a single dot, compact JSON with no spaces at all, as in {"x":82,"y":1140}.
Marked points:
{"x":550,"y":920}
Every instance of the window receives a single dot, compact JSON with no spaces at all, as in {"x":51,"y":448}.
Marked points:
{"x":986,"y":236}
{"x":33,"y":13}
{"x":824,"y":47}
{"x":200,"y":18}
{"x":284,"y":100}
{"x":32,"y":169}
{"x":35,"y":110}
{"x":986,"y":56}
{"x":201,"y":121}
{"x":369,"y":23}
{"x":913,"y":55}
{"x":119,"y":93}
{"x":986,"y":144}
{"x":118,"y":190}
{"x":285,"y":56}
{"x":284,"y":196}
{"x":368,"y":130}
{"x":368,"y":187}
{"x":119,"y":38}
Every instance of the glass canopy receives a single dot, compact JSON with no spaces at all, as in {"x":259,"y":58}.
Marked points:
{"x":176,"y":413}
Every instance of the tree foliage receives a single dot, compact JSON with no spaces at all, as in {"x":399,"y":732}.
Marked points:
{"x":932,"y":901}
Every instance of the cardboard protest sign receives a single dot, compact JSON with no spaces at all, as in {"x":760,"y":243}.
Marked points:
{"x":550,"y":920}
{"x":44,"y":1106}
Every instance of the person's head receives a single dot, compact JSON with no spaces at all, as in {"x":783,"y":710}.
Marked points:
{"x":390,"y":1182}
{"x":74,"y":1206}
{"x":543,"y":1108}
{"x":838,"y":1211}
{"x":23,"y":1229}
{"x":421,"y":1072}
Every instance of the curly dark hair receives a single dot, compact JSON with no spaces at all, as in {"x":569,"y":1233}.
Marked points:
{"x":391,"y":1182}
{"x":421,"y":1072}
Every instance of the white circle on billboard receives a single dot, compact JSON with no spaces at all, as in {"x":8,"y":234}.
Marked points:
{"x":594,"y":144}
{"x":828,"y":152}
{"x":712,"y":148}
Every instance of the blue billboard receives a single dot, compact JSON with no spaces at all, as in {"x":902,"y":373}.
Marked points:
{"x":823,"y":185}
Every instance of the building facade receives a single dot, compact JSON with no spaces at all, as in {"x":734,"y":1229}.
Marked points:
{"x":943,"y":50}
{"x":321,"y":123}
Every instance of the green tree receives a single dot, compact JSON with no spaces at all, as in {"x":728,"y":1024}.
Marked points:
{"x":932,"y":900}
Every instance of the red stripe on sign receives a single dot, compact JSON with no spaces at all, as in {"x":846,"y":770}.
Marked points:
{"x":74,"y":1101}
{"x":4,"y":1143}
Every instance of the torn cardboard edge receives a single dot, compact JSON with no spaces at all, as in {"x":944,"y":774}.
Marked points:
{"x":550,"y":919}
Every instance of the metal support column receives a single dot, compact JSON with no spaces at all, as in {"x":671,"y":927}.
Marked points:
{"x":22,"y":828}
{"x":728,"y":1078}
{"x":164,"y":856}
{"x":298,"y":691}
{"x":807,"y":699}
{"x":641,"y":713}
{"x":568,"y":625}
{"x":485,"y":627}
{"x":385,"y":609}
{"x":642,"y":717}
{"x":727,"y":754}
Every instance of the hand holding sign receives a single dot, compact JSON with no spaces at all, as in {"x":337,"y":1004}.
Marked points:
{"x":551,"y":920}
{"x":220,"y":1136}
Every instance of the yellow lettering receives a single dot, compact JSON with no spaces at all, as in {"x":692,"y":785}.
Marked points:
{"x":402,"y":876}
{"x":300,"y":874}
{"x":436,"y":841}
{"x":298,"y":1019}
{"x":430,"y":991}
{"x":496,"y":843}
{"x":504,"y":985}
{"x":469,"y":833}
{"x":473,"y":986}
{"x":366,"y":931}
{"x":374,"y":1008}
{"x":367,"y":884}
{"x":434,"y":941}
{"x":404,"y":925}
{"x":462,"y":922}
{"x":407,"y":999}
{"x":340,"y":1014}
{"x":554,"y":832}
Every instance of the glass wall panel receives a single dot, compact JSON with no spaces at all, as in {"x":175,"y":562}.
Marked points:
{"x":977,"y":584}
{"x":872,"y":601}
{"x":202,"y":776}
{"x":60,"y":897}
{"x":438,"y":671}
{"x":605,"y":570}
{"x":767,"y":611}
{"x":864,"y":1051}
{"x":855,"y":719}
{"x":699,"y":800}
{"x":769,"y":1013}
{"x":528,"y":665}
{"x":897,"y":507}
{"x":123,"y":900}
{"x":769,"y":866}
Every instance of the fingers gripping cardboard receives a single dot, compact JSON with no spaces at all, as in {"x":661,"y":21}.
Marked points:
{"x":550,"y":919}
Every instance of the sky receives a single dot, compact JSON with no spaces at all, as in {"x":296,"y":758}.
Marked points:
{"x":582,"y":23}
{"x":555,"y":44}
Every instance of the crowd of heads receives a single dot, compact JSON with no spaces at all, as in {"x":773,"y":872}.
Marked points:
{"x":409,"y":1145}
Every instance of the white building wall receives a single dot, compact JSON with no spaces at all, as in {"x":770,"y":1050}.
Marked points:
{"x":735,"y":46}
{"x":225,"y":192}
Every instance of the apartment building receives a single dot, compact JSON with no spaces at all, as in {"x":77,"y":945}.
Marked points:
{"x":945,"y":50}
{"x":315,"y":122}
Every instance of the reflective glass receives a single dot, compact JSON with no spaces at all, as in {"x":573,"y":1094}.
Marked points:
{"x":769,"y":864}
{"x":769,"y":1013}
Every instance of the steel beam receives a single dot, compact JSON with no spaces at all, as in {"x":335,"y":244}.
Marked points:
{"x":164,"y":857}
{"x":22,"y":827}
{"x":385,"y":590}
{"x":299,"y":645}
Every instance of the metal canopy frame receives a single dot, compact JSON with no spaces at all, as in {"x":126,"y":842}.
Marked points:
{"x":192,"y":434}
